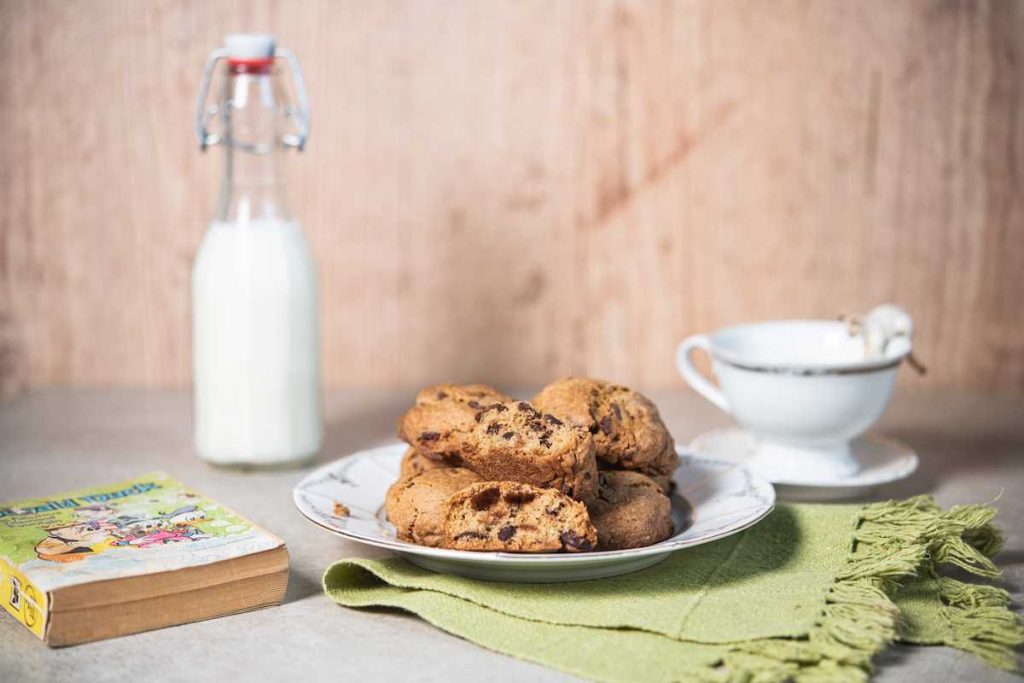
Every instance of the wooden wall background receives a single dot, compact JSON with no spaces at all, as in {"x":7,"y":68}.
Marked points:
{"x":509,"y":191}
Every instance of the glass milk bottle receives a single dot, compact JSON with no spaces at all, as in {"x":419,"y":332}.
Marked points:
{"x":254,"y":303}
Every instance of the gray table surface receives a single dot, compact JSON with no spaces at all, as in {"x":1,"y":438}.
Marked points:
{"x":971,"y":448}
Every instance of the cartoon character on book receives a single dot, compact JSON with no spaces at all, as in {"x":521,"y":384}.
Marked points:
{"x":88,"y":533}
{"x":175,"y":527}
{"x":95,"y":529}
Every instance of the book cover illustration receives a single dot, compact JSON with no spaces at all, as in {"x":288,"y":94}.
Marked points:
{"x":145,"y":525}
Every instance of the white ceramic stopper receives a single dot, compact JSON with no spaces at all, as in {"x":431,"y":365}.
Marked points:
{"x":250,"y":45}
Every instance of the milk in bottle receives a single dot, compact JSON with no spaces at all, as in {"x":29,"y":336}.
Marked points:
{"x":254,"y":303}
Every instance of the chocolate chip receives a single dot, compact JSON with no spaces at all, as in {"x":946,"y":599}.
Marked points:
{"x":523,"y":405}
{"x":470,"y":534}
{"x":441,"y":396}
{"x":555,"y":510}
{"x":474,"y":404}
{"x":553,"y":420}
{"x":535,"y":426}
{"x":519,"y":497}
{"x":606,"y":425}
{"x":429,"y":436}
{"x":506,"y":533}
{"x":571,"y":540}
{"x":497,"y":406}
{"x":494,"y":428}
{"x":545,"y":442}
{"x":485,"y":499}
{"x":508,"y":435}
{"x":593,"y":429}
{"x":618,"y":413}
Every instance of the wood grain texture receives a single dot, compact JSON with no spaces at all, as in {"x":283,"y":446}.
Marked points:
{"x":508,"y":191}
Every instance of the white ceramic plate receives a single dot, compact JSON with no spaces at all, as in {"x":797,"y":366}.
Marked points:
{"x":881,"y":461}
{"x":712,"y":500}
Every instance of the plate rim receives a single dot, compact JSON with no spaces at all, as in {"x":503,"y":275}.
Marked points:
{"x":489,"y":557}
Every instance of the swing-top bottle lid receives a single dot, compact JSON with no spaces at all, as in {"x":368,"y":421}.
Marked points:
{"x":252,"y":54}
{"x":249,"y":47}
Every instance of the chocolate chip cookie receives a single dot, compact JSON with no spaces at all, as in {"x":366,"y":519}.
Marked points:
{"x":414,"y":462}
{"x":417,"y":505}
{"x":516,"y":442}
{"x":627,"y":428}
{"x":512,"y":517}
{"x":630,"y":511}
{"x":664,"y":481}
{"x":443,"y":414}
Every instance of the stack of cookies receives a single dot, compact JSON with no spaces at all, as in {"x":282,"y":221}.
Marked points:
{"x":586,"y":465}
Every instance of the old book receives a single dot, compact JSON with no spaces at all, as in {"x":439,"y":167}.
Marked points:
{"x":132,"y":556}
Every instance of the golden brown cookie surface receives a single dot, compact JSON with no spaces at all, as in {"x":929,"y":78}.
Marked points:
{"x":417,"y":505}
{"x":664,"y":481}
{"x":627,"y":428}
{"x":442,"y":414}
{"x":630,"y":511}
{"x":414,"y":462}
{"x":515,"y":442}
{"x":513,"y":517}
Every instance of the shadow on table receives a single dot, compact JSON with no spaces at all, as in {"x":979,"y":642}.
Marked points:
{"x":300,"y":587}
{"x":1009,"y":558}
{"x":943,"y":457}
{"x":892,"y":656}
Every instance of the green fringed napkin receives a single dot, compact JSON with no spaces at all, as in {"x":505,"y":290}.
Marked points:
{"x":810,"y":593}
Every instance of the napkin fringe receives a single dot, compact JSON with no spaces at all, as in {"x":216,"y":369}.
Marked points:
{"x":892,"y":541}
{"x":979,"y":621}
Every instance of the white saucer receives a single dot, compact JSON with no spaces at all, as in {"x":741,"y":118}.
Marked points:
{"x":712,"y":500}
{"x":881,"y":461}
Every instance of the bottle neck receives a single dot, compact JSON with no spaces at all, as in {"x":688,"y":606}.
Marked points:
{"x":252,"y":187}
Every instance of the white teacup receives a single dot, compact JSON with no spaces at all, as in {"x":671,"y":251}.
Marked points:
{"x":803,"y":388}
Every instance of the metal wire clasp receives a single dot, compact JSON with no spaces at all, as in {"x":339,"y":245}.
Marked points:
{"x":299,"y":114}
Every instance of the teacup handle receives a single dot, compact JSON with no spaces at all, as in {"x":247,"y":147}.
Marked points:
{"x":692,"y":375}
